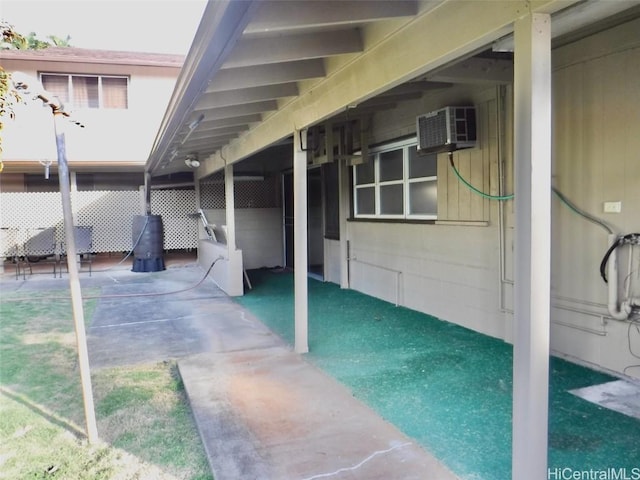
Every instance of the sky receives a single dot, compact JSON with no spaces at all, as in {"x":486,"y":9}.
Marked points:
{"x":152,"y":26}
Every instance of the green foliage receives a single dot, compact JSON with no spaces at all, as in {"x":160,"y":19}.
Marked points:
{"x":34,"y":43}
{"x":11,"y":40}
{"x":60,"y":42}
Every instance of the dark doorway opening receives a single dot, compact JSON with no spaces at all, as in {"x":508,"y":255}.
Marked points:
{"x":315,"y":222}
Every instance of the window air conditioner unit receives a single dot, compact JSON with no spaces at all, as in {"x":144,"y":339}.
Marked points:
{"x":446,"y":130}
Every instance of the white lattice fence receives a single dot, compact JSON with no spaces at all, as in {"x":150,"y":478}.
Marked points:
{"x":110,"y":213}
{"x":30,"y":210}
{"x":247,"y":194}
{"x":176,"y":208}
{"x":25,"y":215}
{"x":212,"y":195}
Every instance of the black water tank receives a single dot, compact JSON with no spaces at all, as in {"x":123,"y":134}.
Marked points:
{"x":148,"y":241}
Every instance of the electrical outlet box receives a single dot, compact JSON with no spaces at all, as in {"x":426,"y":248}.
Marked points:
{"x":612,"y":207}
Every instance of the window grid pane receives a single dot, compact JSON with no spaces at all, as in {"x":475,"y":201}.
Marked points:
{"x":421,"y":165}
{"x":85,"y":92}
{"x":365,"y":201}
{"x":423,"y":198}
{"x":57,"y":85}
{"x":392,"y":199}
{"x":365,"y":173}
{"x":391,"y":165}
{"x":114,"y":92}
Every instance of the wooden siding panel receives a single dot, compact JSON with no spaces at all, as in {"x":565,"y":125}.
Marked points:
{"x":463,"y":162}
{"x":477,"y":177}
{"x":478,"y":166}
{"x":443,"y":187}
{"x":452,"y":192}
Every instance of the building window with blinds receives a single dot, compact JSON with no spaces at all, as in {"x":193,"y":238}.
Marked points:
{"x":88,"y":91}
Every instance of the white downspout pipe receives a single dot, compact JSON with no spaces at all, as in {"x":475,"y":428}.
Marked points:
{"x":617,"y":310}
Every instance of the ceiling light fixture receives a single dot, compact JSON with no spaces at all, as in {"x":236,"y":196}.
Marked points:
{"x":192,"y":160}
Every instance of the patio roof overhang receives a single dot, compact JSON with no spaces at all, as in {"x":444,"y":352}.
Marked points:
{"x":258,"y":70}
{"x":424,"y":44}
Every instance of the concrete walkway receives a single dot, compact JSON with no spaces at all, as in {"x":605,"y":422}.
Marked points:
{"x":269,"y":414}
{"x":263,"y":412}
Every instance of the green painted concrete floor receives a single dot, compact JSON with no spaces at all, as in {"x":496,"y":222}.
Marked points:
{"x":447,"y":387}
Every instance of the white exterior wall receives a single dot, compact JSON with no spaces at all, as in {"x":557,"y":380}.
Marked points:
{"x":450,"y":272}
{"x":332,"y":261}
{"x":226,"y":266}
{"x":258,"y":234}
{"x":117,"y":136}
{"x":596,"y":113}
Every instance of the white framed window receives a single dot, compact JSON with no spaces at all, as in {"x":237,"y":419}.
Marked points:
{"x":396,"y":183}
{"x":88,"y":91}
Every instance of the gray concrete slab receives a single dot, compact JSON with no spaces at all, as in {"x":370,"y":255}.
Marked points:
{"x":263,"y":412}
{"x":270,"y":414}
{"x":132,"y":324}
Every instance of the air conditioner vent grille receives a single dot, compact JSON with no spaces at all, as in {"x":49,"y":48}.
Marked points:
{"x":447,"y":129}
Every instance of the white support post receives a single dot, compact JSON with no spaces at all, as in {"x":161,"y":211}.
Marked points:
{"x":300,"y":243}
{"x":532,"y":145}
{"x":230,"y":211}
{"x":147,"y":193}
{"x":200,"y":227}
{"x":343,"y":201}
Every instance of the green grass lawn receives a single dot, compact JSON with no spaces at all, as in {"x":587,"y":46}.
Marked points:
{"x":145,"y":424}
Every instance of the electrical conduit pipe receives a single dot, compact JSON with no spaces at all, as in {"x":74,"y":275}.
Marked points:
{"x":622,"y":310}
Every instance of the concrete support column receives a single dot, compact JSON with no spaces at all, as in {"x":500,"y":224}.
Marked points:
{"x":230,"y":211}
{"x":532,"y":148}
{"x":300,"y":253}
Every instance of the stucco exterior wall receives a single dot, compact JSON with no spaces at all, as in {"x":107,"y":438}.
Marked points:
{"x":116,"y":136}
{"x":258,"y":234}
